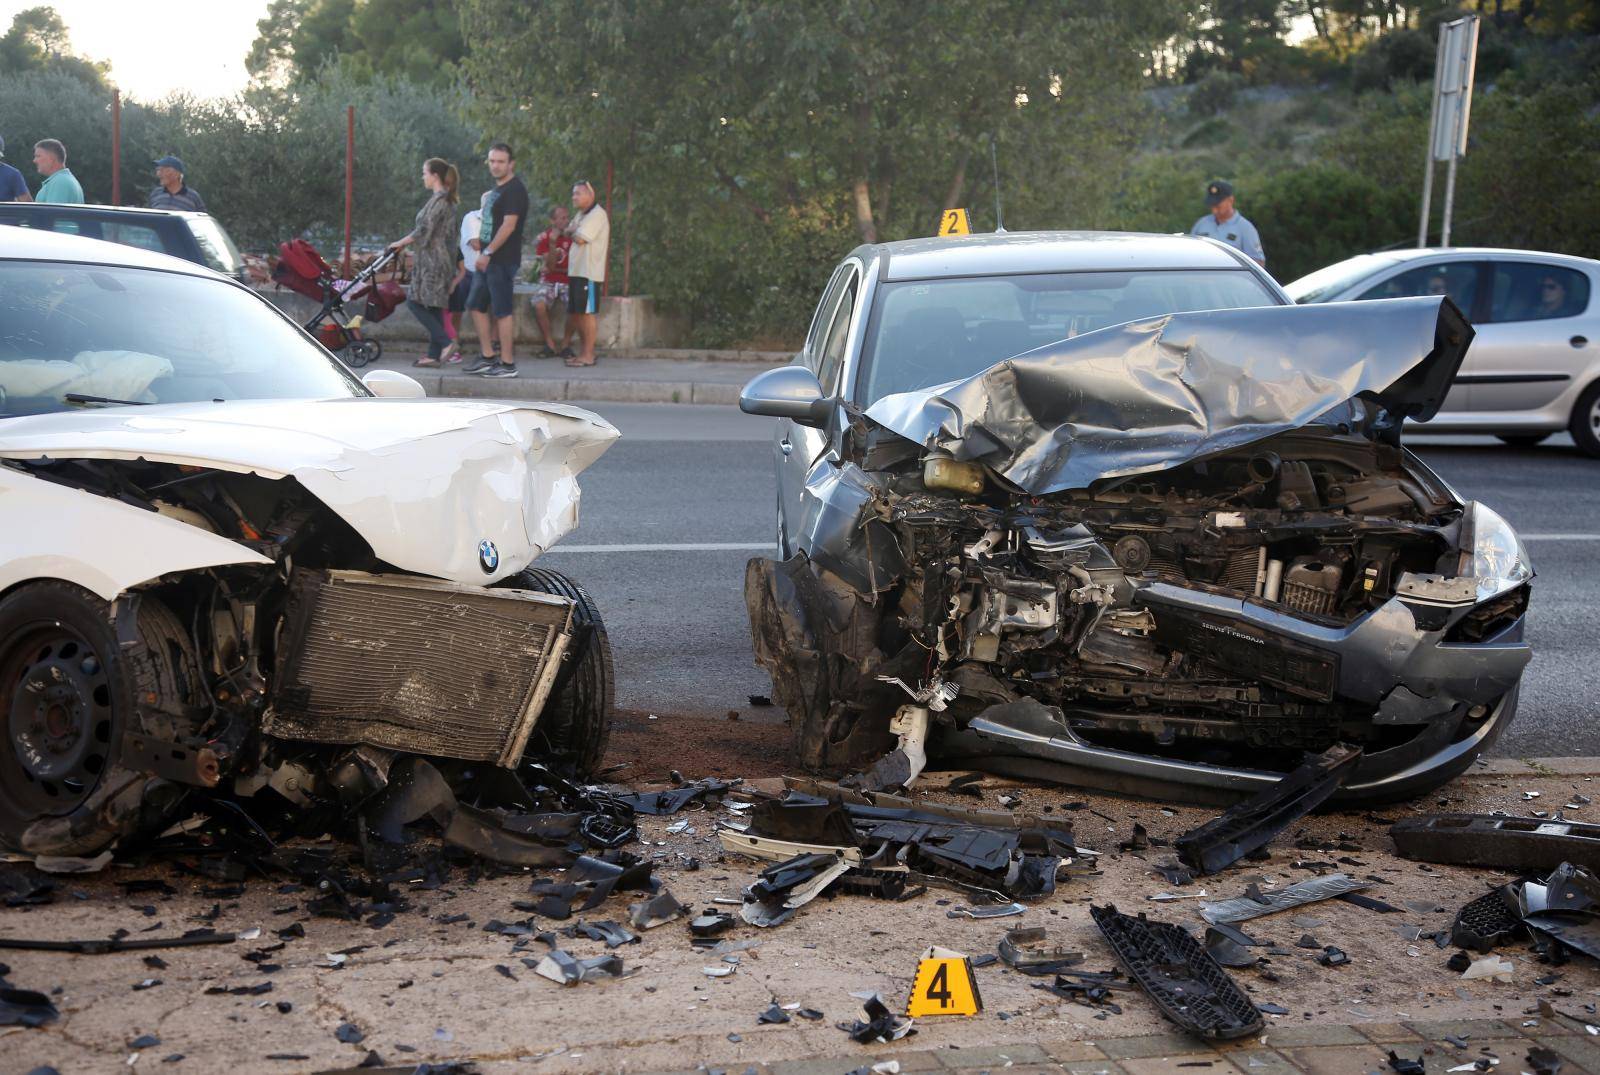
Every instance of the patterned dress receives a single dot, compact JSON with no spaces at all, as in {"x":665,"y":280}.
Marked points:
{"x":435,"y":248}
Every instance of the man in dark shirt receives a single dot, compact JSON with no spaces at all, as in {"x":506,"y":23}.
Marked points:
{"x":499,"y":247}
{"x":171,"y":192}
{"x":13,"y":188}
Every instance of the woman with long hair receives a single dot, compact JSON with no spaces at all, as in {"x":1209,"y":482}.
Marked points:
{"x":434,"y":238}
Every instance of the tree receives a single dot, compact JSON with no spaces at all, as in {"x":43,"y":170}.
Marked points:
{"x":417,"y":39}
{"x":783,"y":131}
{"x":38,"y":41}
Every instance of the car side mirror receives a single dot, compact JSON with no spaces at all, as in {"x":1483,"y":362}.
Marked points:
{"x":791,"y":392}
{"x":392,"y":384}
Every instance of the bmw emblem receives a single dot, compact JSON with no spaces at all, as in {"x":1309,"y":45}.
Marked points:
{"x":488,"y":556}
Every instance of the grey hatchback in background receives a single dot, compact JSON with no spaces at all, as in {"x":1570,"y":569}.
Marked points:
{"x":1534,"y":368}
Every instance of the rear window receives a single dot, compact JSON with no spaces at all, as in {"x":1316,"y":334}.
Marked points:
{"x":1528,"y":291}
{"x":928,"y":332}
{"x":215,"y":245}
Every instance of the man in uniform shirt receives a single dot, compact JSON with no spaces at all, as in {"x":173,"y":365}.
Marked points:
{"x":1227,"y":224}
{"x":171,"y":192}
{"x":13,"y":188}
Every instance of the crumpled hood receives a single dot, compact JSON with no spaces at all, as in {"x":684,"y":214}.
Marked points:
{"x":1154,"y":394}
{"x":424,"y":481}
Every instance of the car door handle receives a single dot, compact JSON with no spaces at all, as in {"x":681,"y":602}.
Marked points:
{"x":784,"y":446}
{"x":1579,"y":341}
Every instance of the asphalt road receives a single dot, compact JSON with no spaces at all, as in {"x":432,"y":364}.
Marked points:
{"x":672,"y":512}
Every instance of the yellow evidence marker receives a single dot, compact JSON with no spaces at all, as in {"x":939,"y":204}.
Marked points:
{"x":954,"y":222}
{"x":945,"y":985}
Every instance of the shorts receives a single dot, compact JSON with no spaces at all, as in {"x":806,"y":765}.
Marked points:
{"x":458,"y":295}
{"x":583,"y":296}
{"x":551,"y":294}
{"x":493,"y":290}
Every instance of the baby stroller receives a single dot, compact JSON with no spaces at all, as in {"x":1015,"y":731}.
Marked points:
{"x":301,"y":269}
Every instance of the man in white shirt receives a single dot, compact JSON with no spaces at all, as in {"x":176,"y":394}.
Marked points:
{"x":1227,"y":224}
{"x":586,"y":268}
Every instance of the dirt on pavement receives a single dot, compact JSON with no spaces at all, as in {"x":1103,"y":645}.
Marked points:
{"x":434,"y":985}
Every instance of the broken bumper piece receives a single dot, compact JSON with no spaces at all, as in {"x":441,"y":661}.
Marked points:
{"x":1187,"y":984}
{"x":1506,"y":843}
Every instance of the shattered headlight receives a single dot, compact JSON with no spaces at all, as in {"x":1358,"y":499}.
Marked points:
{"x":1499,"y":558}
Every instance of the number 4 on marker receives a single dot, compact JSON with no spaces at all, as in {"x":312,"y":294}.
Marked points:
{"x":944,"y":985}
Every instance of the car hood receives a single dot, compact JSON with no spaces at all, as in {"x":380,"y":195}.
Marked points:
{"x":424,"y":481}
{"x":1154,"y":394}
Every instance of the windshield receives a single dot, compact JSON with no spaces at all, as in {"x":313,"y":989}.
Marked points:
{"x":144,"y":336}
{"x":928,"y":332}
{"x":215,"y":245}
{"x":1327,"y":282}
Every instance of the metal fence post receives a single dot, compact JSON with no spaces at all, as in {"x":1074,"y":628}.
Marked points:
{"x":116,"y":147}
{"x":349,"y":179}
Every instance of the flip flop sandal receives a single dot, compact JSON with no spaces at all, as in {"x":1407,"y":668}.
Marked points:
{"x":427,"y":363}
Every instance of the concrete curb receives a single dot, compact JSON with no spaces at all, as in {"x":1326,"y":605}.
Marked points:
{"x":559,"y":389}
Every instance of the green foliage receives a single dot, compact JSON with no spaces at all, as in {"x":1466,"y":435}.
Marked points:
{"x":38,"y":41}
{"x":270,"y":162}
{"x":419,"y":40}
{"x":1214,"y":93}
{"x":761,"y":140}
{"x":1314,"y":216}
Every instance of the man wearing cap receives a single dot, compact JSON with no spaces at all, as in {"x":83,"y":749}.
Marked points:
{"x":1226,"y":224}
{"x":171,"y":192}
{"x":13,"y":188}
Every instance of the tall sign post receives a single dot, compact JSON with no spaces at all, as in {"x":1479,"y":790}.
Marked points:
{"x":1453,"y":70}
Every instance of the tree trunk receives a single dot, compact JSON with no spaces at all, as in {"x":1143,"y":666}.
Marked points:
{"x":861,"y":190}
{"x":958,"y":181}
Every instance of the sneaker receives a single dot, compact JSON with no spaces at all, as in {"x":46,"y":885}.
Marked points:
{"x":501,"y":370}
{"x":479,"y":364}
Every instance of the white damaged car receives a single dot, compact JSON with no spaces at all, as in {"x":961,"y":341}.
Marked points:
{"x":227,"y":563}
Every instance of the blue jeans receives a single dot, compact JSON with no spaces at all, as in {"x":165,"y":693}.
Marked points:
{"x":438,"y":338}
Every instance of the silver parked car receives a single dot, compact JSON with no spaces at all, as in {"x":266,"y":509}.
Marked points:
{"x":1109,"y":509}
{"x":1534,"y":368}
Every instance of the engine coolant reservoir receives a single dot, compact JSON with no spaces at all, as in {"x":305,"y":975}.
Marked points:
{"x":942,"y":472}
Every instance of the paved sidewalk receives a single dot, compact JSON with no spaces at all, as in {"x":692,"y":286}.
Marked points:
{"x":1314,"y":1050}
{"x":650,"y":377}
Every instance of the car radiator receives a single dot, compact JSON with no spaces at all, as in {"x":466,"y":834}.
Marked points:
{"x":415,"y":664}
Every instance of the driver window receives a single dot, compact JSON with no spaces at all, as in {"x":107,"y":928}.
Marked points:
{"x":838,"y":337}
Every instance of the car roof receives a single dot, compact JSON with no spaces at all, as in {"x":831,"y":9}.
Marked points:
{"x":88,"y":207}
{"x":1415,"y":253}
{"x":35,"y":244}
{"x":1048,"y":251}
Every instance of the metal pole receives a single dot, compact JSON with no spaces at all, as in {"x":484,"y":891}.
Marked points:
{"x":1449,"y":200}
{"x":627,"y":243}
{"x":1433,"y":134}
{"x":994,"y":166}
{"x":605,"y":285}
{"x":116,"y":147}
{"x":349,"y":179}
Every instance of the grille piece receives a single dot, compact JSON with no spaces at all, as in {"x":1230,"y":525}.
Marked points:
{"x":415,"y":665}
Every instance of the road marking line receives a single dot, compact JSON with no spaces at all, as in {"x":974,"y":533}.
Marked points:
{"x":702,"y":546}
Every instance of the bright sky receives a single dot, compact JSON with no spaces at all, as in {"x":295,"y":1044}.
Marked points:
{"x":156,"y":48}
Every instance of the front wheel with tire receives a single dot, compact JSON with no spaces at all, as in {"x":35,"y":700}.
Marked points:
{"x":1585,"y":427}
{"x":68,"y":693}
{"x":1522,"y":440}
{"x":362,"y":352}
{"x":576,"y":721}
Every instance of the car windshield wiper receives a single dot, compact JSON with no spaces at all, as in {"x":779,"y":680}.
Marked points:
{"x":79,"y":397}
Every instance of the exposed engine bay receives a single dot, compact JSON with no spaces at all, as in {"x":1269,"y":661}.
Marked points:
{"x":1277,"y":588}
{"x":308,"y":672}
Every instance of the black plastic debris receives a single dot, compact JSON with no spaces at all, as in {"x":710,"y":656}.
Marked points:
{"x":1368,"y":903}
{"x":1542,"y":1061}
{"x":877,"y":1023}
{"x":1024,"y":949}
{"x":25,"y":1007}
{"x":1174,"y":874}
{"x":1458,"y":962}
{"x":1332,"y":957}
{"x":707,"y":926}
{"x":1093,"y":989}
{"x":96,"y":947}
{"x":22,"y":886}
{"x":1188,"y":986}
{"x":1505,"y":843}
{"x":1405,"y":1065}
{"x":1488,"y":921}
{"x":658,"y":910}
{"x":660,"y":803}
{"x":144,"y":1041}
{"x":1253,"y":823}
{"x":350,"y":1034}
{"x":563,"y":969}
{"x":1230,"y":946}
{"x":1139,"y":841}
{"x":784,"y":888}
{"x":610,"y":932}
{"x":1307,"y":941}
{"x":774,"y":1014}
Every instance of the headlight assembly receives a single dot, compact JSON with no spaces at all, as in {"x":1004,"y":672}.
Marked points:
{"x":1499,"y":558}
